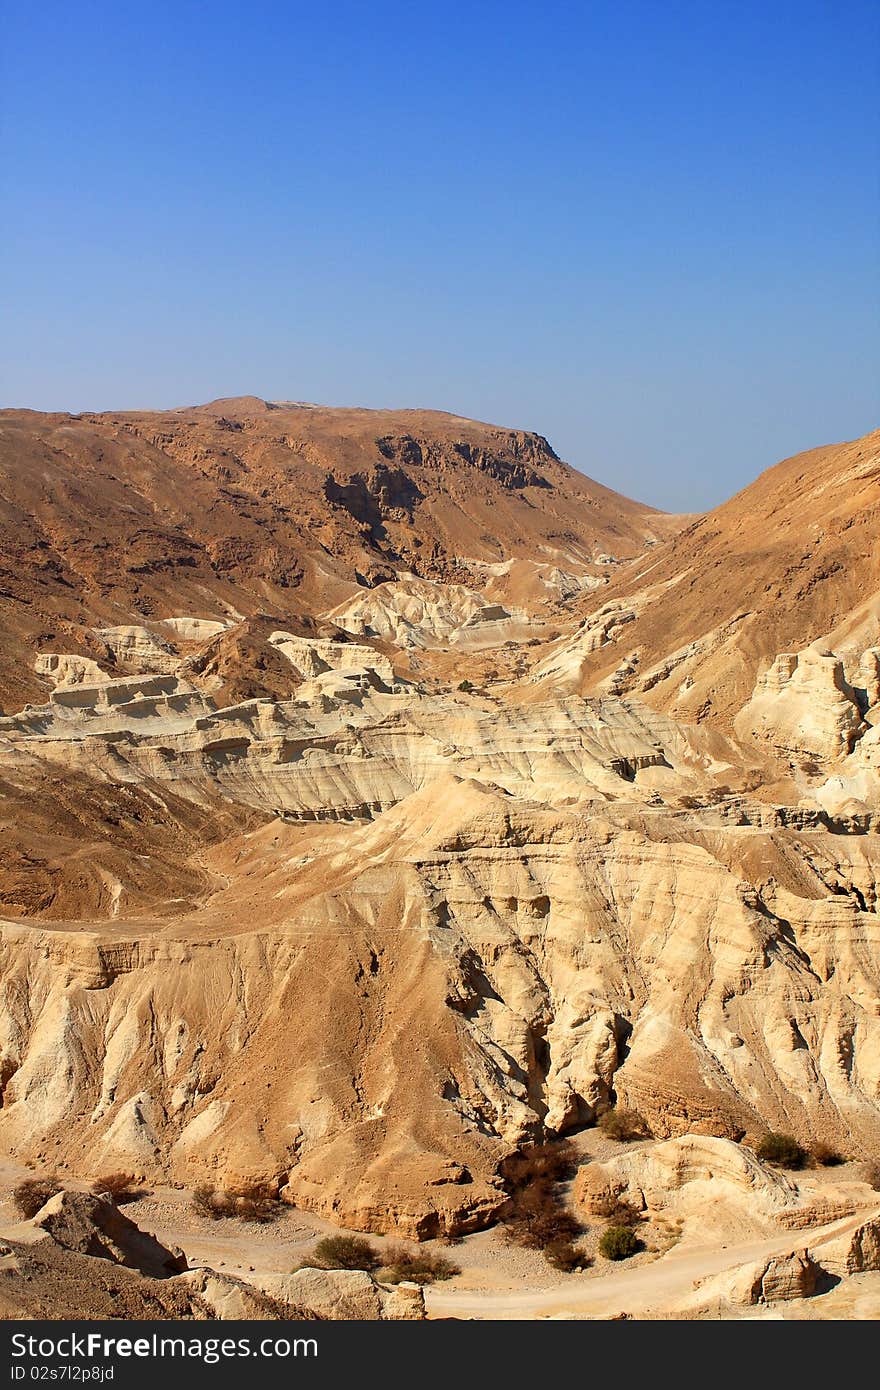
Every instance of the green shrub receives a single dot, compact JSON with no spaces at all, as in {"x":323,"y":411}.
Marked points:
{"x":399,"y":1263}
{"x":345,"y":1252}
{"x":32,"y":1194}
{"x":618,"y":1243}
{"x":623,"y":1125}
{"x":782,"y":1150}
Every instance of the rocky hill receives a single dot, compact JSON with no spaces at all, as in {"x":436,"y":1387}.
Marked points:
{"x":379,"y":796}
{"x":790,"y":561}
{"x":246,"y":506}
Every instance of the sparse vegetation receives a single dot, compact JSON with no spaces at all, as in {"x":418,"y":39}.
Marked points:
{"x":552,"y":1162}
{"x":782,"y":1150}
{"x":617,"y":1210}
{"x":826,"y":1156}
{"x":536,"y":1216}
{"x":344,"y":1252}
{"x":400,"y":1262}
{"x":32,"y":1194}
{"x":465,"y":686}
{"x":567,"y":1257}
{"x":120,"y":1186}
{"x":618,"y":1243}
{"x":623,"y":1125}
{"x":255,"y":1205}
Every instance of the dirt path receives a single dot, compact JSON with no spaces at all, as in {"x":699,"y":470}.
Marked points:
{"x":650,"y":1288}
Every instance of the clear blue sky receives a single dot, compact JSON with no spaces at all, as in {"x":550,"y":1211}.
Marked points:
{"x":650,"y":231}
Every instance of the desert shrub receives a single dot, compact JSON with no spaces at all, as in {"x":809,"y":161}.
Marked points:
{"x":623,"y":1125}
{"x":552,"y":1162}
{"x":536,"y":1218}
{"x":262,"y":1210}
{"x":121,"y":1187}
{"x":32,"y":1194}
{"x":618,"y":1243}
{"x":782,"y":1150}
{"x":345,"y":1252}
{"x":535,"y":1215}
{"x":564,"y":1255}
{"x":718,"y":794}
{"x":617,"y":1210}
{"x":216,"y":1205}
{"x":203,"y":1201}
{"x":400,"y":1262}
{"x":466,"y":686}
{"x":826,"y":1156}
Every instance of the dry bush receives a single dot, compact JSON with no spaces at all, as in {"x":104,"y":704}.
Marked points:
{"x":216,"y":1205}
{"x":618,"y":1243}
{"x":120,"y":1186}
{"x":826,"y":1156}
{"x":400,"y":1262}
{"x":33,"y":1193}
{"x":344,"y":1252}
{"x":262,"y":1210}
{"x":617,"y":1210}
{"x":555,"y":1161}
{"x":567,"y":1257}
{"x":782,"y":1150}
{"x":535,"y":1215}
{"x":623,"y":1125}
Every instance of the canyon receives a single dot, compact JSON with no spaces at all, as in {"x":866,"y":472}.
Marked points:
{"x":380,"y":796}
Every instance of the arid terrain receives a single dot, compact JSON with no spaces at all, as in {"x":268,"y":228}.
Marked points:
{"x":381,"y":800}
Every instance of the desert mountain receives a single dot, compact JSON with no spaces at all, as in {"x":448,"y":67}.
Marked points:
{"x":790,"y":561}
{"x":356,"y":835}
{"x":245,"y":506}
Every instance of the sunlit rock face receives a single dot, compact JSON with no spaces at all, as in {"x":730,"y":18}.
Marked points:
{"x":351,"y":866}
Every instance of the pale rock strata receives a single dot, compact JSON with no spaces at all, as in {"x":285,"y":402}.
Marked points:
{"x":804,"y":705}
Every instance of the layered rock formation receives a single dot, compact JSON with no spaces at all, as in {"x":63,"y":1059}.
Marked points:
{"x":354,"y":893}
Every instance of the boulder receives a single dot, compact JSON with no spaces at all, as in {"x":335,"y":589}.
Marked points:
{"x":853,"y":1252}
{"x":228,"y":1298}
{"x":349,"y":1295}
{"x":92,"y":1225}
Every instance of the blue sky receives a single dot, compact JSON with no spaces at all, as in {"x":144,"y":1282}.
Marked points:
{"x":650,"y":231}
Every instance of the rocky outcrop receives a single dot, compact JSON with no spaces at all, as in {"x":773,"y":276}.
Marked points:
{"x":694,"y":1176}
{"x":779,"y":1279}
{"x":93,"y":1225}
{"x":853,"y":1252}
{"x":227,"y":1298}
{"x":347,"y":1295}
{"x":804,"y":705}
